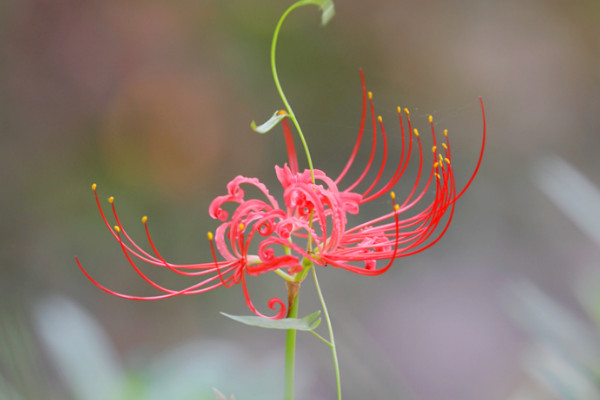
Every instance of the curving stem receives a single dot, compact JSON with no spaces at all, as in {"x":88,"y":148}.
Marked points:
{"x":331,"y":341}
{"x":291,"y":114}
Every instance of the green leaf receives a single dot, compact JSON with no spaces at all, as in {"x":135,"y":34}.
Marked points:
{"x":308,"y":323}
{"x":327,"y":10}
{"x":267,"y":126}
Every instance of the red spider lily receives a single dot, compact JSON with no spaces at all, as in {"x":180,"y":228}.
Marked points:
{"x":260,"y":236}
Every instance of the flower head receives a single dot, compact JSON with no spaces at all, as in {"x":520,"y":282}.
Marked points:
{"x":312,"y":226}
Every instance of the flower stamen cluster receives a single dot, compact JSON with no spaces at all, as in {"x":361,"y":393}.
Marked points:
{"x":311,"y":227}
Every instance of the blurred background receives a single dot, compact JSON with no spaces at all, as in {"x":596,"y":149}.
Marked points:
{"x":152,"y":100}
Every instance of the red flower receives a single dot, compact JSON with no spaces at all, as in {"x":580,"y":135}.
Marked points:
{"x":260,"y":236}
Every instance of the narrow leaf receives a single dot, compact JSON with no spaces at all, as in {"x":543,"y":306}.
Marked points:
{"x":268,"y":125}
{"x":308,"y":323}
{"x":327,"y":10}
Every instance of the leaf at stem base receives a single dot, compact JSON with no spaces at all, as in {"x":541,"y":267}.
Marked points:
{"x":308,"y":323}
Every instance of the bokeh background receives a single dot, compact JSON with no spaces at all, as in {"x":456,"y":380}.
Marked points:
{"x":152,"y":100}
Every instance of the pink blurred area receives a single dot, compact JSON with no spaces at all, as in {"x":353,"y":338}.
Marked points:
{"x":152,"y":100}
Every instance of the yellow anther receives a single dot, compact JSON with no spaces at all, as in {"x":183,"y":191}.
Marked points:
{"x":370,"y":95}
{"x":433,"y":149}
{"x":117,"y":229}
{"x":393,"y":195}
{"x":447,"y":160}
{"x":416,"y":132}
{"x":380,"y":119}
{"x":445,"y":132}
{"x":430,"y":118}
{"x":111,"y":199}
{"x":144,"y":219}
{"x":281,"y":112}
{"x":441,"y":158}
{"x":210,"y":236}
{"x":437,"y":175}
{"x":93,"y":186}
{"x":241,"y":227}
{"x":399,"y":109}
{"x":396,"y":207}
{"x":444,"y":146}
{"x":406,"y":111}
{"x":436,"y":164}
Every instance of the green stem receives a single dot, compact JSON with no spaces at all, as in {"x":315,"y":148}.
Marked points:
{"x":291,"y":114}
{"x":290,"y":354}
{"x":321,"y":338}
{"x":331,"y":338}
{"x":290,"y":341}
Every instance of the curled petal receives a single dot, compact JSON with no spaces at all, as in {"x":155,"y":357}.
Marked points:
{"x":215,"y":211}
{"x":285,"y":228}
{"x":266,"y":254}
{"x":350,"y":202}
{"x":265,"y":228}
{"x":236,"y":194}
{"x":273,"y":303}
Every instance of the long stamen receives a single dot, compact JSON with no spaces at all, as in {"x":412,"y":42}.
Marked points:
{"x":402,"y":163}
{"x":396,"y":222}
{"x":394,"y":255}
{"x":165,"y":263}
{"x":360,"y":131}
{"x":383,"y":158}
{"x":480,"y":154}
{"x":135,"y":267}
{"x":214,"y":255}
{"x":187,"y":291}
{"x":140,"y":253}
{"x":373,"y":146}
{"x":419,"y":172}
